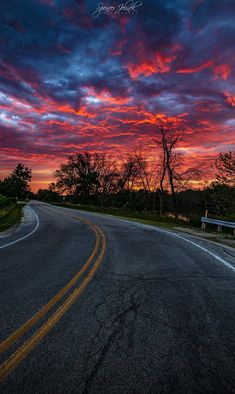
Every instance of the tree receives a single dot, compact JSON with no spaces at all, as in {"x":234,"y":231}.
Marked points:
{"x":225,"y":165}
{"x":129,"y":173}
{"x":107,"y":173}
{"x":87,"y":174}
{"x":184,"y":179}
{"x":78,"y":176}
{"x":145,"y":171}
{"x":168,"y":139}
{"x":145,"y":180}
{"x":3,"y":201}
{"x":48,"y":195}
{"x":172,"y":176}
{"x":16,"y":185}
{"x":220,"y":199}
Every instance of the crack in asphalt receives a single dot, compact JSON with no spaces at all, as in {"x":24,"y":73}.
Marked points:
{"x":228,"y":252}
{"x":172,"y":279}
{"x":116,"y":329}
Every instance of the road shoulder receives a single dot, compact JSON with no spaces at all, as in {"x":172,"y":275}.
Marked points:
{"x":28,"y":223}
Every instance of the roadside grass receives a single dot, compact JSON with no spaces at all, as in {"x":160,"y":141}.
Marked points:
{"x":143,"y":217}
{"x":10,"y":216}
{"x":154,"y":219}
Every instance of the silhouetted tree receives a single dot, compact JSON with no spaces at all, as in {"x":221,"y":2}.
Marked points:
{"x":78,"y":176}
{"x":16,"y":185}
{"x":172,"y":176}
{"x":128,"y":173}
{"x":168,"y":139}
{"x":225,"y":165}
{"x":47,"y":195}
{"x":220,"y":199}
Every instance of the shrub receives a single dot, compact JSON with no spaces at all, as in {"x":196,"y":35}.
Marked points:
{"x":3,"y":201}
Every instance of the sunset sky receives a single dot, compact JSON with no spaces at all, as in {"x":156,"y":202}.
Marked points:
{"x":72,"y":81}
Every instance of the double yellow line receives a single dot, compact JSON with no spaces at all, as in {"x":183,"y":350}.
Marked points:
{"x":11,"y":362}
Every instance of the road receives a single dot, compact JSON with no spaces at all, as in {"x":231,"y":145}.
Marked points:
{"x":95,"y":304}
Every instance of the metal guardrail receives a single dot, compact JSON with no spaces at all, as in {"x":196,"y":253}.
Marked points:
{"x":219,"y":223}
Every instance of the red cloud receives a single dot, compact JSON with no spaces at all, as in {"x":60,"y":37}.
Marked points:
{"x":160,"y":64}
{"x":230,"y":98}
{"x":81,"y":112}
{"x":105,"y":97}
{"x":144,"y":68}
{"x":192,"y":70}
{"x":222,"y":71}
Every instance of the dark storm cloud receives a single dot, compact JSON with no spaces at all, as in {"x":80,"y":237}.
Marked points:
{"x":69,"y":81}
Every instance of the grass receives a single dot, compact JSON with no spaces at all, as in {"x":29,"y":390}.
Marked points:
{"x":10,"y":216}
{"x":150,"y":218}
{"x":143,"y":217}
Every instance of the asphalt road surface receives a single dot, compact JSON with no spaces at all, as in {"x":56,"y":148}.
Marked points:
{"x":94,"y":304}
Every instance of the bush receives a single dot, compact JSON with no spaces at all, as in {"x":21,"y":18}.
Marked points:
{"x":3,"y":201}
{"x":195,"y":221}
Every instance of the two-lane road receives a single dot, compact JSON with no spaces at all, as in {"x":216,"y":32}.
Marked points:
{"x":94,"y":304}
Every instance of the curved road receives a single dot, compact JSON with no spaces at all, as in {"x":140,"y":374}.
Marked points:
{"x":95,"y":304}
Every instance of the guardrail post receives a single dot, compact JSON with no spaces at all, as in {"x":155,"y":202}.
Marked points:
{"x":219,"y":223}
{"x":204,"y":223}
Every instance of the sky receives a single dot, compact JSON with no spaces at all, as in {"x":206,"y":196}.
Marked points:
{"x":75,"y":77}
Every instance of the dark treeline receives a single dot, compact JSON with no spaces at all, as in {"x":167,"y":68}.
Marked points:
{"x":95,"y":179}
{"x":16,"y":186}
{"x":160,"y":185}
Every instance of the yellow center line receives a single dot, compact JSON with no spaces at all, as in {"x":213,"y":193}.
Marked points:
{"x":11,"y":363}
{"x":32,"y":321}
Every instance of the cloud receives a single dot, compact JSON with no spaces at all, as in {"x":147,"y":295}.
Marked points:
{"x":69,"y":82}
{"x":222,"y":71}
{"x":230,"y":98}
{"x":159,"y":64}
{"x":196,"y":69}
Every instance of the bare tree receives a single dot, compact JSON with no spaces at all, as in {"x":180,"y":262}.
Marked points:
{"x":168,"y":140}
{"x":147,"y":175}
{"x":143,"y":170}
{"x":172,"y":174}
{"x":108,"y":176}
{"x":184,"y":179}
{"x":129,"y":173}
{"x":225,"y":165}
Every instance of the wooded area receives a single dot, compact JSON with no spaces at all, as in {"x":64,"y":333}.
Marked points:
{"x":136,"y":183}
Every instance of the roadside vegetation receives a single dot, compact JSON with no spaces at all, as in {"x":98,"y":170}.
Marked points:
{"x":14,"y":189}
{"x":158,"y":190}
{"x":10,"y":213}
{"x":153,"y":189}
{"x":144,"y":217}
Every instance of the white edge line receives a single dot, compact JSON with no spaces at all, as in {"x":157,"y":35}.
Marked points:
{"x":27,"y":235}
{"x":220,"y":259}
{"x":173,"y":234}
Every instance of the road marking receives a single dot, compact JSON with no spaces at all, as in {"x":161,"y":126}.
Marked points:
{"x":31,"y":322}
{"x":11,"y":363}
{"x":217,"y":257}
{"x":220,"y":259}
{"x":27,"y":235}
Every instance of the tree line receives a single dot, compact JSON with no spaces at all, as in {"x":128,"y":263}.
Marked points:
{"x":16,"y":186}
{"x":136,"y":183}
